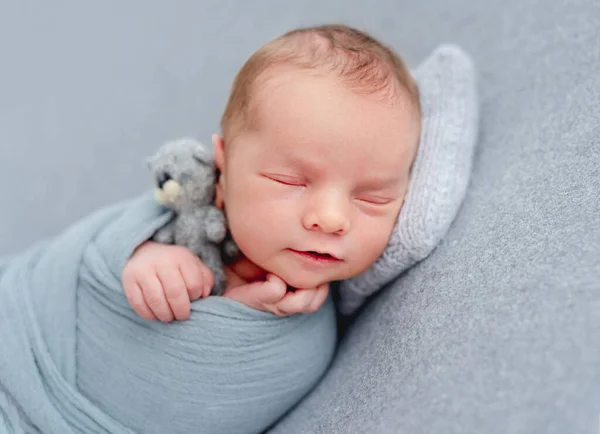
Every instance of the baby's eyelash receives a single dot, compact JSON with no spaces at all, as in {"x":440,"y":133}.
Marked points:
{"x":285,"y":180}
{"x":376,"y":200}
{"x":293,"y":183}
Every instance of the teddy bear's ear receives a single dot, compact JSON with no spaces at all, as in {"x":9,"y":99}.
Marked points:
{"x":202,"y":155}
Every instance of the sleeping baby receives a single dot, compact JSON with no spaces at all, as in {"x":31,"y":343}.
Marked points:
{"x":332,"y":168}
{"x":318,"y":139}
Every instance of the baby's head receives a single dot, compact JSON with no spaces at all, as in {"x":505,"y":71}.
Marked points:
{"x":319,"y":135}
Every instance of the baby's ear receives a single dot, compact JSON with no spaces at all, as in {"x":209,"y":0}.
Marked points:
{"x":219,"y":151}
{"x":219,"y":202}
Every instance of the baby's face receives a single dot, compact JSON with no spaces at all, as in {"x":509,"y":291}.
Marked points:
{"x":313,"y":194}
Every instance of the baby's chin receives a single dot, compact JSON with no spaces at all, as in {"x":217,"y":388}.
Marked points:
{"x":295,"y":277}
{"x":297,"y":280}
{"x":306,"y":280}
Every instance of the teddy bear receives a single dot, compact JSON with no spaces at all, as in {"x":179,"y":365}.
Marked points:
{"x":185,"y":175}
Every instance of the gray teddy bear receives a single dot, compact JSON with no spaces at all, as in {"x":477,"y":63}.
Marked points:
{"x":185,"y":176}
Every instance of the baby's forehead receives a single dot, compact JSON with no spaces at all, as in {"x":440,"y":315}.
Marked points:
{"x":285,"y":86}
{"x":389,"y":92}
{"x":355,"y":58}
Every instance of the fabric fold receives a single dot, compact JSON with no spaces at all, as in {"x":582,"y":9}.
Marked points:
{"x":75,"y":358}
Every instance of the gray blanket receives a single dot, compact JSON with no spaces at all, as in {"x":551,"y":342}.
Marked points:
{"x":75,"y":358}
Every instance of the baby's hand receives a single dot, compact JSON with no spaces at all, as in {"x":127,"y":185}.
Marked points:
{"x":271,"y":295}
{"x":160,"y":280}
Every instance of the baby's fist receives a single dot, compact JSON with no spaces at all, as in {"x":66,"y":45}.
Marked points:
{"x":272,"y":296}
{"x":160,"y":280}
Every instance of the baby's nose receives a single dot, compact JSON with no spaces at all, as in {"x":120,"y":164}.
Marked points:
{"x":334,"y":224}
{"x":331,"y":219}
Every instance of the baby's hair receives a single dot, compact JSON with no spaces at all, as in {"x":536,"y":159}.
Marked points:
{"x":364,"y":64}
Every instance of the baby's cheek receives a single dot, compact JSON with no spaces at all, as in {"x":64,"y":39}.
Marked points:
{"x":373,"y":242}
{"x":253,"y":227}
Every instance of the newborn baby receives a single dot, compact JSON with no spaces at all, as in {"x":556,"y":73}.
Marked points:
{"x":318,"y":137}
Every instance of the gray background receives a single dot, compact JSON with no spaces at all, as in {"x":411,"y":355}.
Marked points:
{"x":89,"y":89}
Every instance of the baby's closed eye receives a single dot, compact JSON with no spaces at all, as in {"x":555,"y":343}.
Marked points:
{"x":374,"y":197}
{"x":290,"y":180}
{"x":375,"y":200}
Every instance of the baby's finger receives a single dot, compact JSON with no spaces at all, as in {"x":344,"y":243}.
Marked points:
{"x":136,"y":301}
{"x":209,"y":279}
{"x":155,"y":297}
{"x":258,"y":295}
{"x":246,"y":294}
{"x":273,"y":291}
{"x":194,"y":277}
{"x":320,"y":297}
{"x":175,"y":291}
{"x":296,"y":302}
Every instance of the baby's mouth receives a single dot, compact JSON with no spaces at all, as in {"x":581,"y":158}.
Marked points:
{"x":320,"y":255}
{"x":316,"y":256}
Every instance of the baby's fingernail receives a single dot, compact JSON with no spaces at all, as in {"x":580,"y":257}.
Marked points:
{"x":207,"y":290}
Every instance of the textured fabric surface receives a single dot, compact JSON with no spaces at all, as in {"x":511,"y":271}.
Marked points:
{"x":76,"y":359}
{"x":439,"y":176}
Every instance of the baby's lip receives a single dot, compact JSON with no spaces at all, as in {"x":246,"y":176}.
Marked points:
{"x":324,"y":253}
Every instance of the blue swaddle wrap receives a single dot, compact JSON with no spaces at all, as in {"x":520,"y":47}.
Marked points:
{"x":75,"y":358}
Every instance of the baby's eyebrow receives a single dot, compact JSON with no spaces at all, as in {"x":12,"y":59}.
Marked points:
{"x":302,"y":163}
